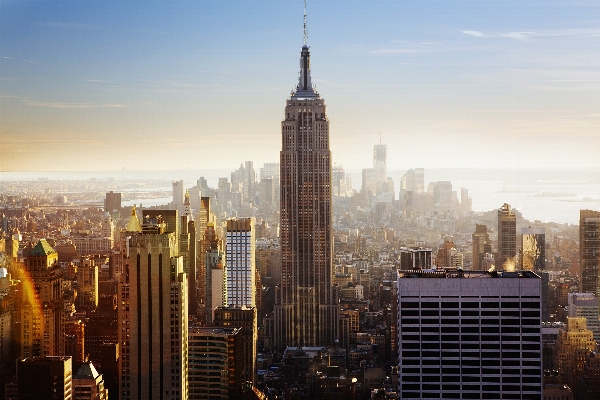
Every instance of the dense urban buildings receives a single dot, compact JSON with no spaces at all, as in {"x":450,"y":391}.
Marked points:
{"x":469,"y":334}
{"x":306,"y":309}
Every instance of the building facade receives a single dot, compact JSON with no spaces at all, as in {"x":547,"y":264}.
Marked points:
{"x":153,"y":317}
{"x":306,"y":304}
{"x":469,"y":335}
{"x":533,"y":248}
{"x":240,"y":263}
{"x":507,"y":238}
{"x":589,"y":251}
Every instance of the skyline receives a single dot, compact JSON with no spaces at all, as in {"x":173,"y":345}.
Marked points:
{"x":461,"y":85}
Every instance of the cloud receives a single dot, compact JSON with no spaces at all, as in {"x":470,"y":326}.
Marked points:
{"x":524,"y":35}
{"x":60,"y":104}
{"x":474,"y":33}
{"x":8,"y":58}
{"x":96,"y":80}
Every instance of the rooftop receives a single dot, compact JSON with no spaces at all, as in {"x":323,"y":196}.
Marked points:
{"x":459,"y":273}
{"x":43,"y":248}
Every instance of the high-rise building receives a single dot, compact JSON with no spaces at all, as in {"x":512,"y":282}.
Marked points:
{"x":215,"y":355}
{"x":585,"y":305}
{"x":482,"y":245}
{"x":533,"y":248}
{"x":466,"y":203}
{"x":49,"y":377}
{"x":241,"y":306}
{"x":88,"y":384}
{"x":380,"y":162}
{"x":240,"y":263}
{"x":153,"y":316}
{"x":215,"y":289}
{"x":469,"y":335}
{"x":507,"y":238}
{"x":589,"y":251}
{"x":307,"y":308}
{"x":40,"y":320}
{"x":244,"y":318}
{"x":413,"y":181}
{"x":178,"y":195}
{"x":112,"y":202}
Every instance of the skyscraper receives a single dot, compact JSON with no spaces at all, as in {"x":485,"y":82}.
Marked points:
{"x":153,"y":316}
{"x":507,"y":238}
{"x":469,"y":335}
{"x":240,"y":263}
{"x":533,"y":248}
{"x":178,"y":195}
{"x":112,"y":202}
{"x":481,"y":246}
{"x":40,"y":320}
{"x":306,"y":310}
{"x":589,"y":251}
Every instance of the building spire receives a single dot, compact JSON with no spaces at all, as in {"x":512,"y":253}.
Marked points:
{"x":305,"y":30}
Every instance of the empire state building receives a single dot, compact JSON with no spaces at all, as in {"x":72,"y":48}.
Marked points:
{"x":306,"y":305}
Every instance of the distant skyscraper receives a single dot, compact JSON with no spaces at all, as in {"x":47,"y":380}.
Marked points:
{"x":533,"y":248}
{"x":471,"y":335}
{"x":270,"y":170}
{"x":585,"y":305}
{"x":466,"y":203}
{"x":112,"y":202}
{"x":380,"y":163}
{"x":413,"y":181}
{"x":589,"y":251}
{"x":482,"y":246}
{"x":215,"y":289}
{"x":153,"y":316}
{"x":178,"y":196}
{"x":306,"y":310}
{"x":507,"y":238}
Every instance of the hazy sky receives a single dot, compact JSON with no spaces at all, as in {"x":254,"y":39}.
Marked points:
{"x":88,"y":85}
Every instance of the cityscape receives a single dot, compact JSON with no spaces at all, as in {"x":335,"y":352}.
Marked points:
{"x":172,"y":236}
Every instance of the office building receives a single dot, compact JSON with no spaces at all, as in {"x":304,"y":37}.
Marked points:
{"x":482,"y":246}
{"x":244,"y":318}
{"x":153,"y":316}
{"x":469,"y":335}
{"x":533,"y":248}
{"x":466,"y":203}
{"x":415,"y":258}
{"x":40,"y":316}
{"x":589,"y":251}
{"x":88,"y":384}
{"x":178,"y":196}
{"x":442,"y":195}
{"x":215,"y":370}
{"x":215,"y":288}
{"x":507,"y":238}
{"x":240,"y":263}
{"x":49,"y":377}
{"x":112,"y":202}
{"x":307,"y":308}
{"x":586,"y":305}
{"x":413,"y":181}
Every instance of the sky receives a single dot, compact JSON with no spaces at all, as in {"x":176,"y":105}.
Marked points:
{"x":107,"y":85}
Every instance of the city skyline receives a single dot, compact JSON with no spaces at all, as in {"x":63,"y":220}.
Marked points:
{"x":123,"y":81}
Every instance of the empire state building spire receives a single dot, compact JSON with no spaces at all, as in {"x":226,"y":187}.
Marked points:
{"x":305,"y":89}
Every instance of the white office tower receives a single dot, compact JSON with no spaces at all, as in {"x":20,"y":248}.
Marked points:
{"x":241,"y":269}
{"x":178,"y":196}
{"x":585,"y":305}
{"x":153,"y":332}
{"x":469,"y":335}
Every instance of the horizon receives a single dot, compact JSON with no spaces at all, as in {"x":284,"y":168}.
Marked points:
{"x":463,"y":85}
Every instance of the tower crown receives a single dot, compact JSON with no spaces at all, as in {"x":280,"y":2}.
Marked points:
{"x":305,"y":89}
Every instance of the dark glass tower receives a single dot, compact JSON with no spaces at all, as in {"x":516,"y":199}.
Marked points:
{"x":306,"y":309}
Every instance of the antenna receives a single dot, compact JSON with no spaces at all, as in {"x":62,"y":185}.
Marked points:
{"x":305,"y":31}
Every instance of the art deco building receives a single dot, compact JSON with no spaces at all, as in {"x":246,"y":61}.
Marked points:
{"x":589,"y":251}
{"x":40,"y":320}
{"x":153,"y":316}
{"x":507,"y":238}
{"x":306,"y":308}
